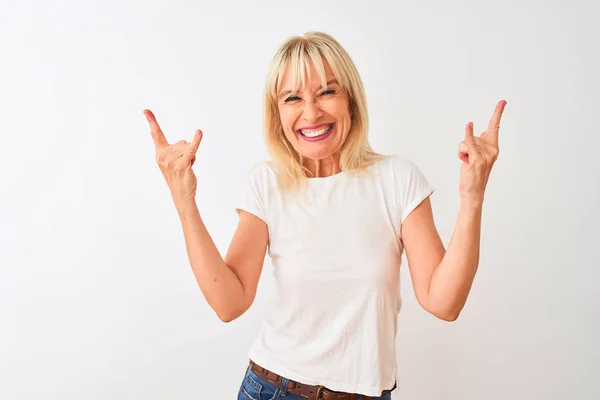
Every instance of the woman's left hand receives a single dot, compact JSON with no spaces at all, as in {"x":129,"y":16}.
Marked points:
{"x":478,"y":155}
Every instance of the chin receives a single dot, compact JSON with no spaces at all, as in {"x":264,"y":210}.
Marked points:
{"x":318,"y":154}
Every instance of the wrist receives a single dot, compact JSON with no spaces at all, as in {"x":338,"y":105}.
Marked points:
{"x":186,"y":206}
{"x":472,"y":202}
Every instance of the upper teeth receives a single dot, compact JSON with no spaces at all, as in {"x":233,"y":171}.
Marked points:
{"x":315,"y":133}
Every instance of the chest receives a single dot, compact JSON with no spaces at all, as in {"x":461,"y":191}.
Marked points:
{"x":346,"y":231}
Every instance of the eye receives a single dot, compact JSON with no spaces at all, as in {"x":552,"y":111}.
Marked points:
{"x":329,"y":91}
{"x":292,"y":98}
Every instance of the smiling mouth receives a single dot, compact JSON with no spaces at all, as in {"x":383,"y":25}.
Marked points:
{"x":312,"y":134}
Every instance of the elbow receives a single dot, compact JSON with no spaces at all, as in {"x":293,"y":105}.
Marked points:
{"x":233,"y":309}
{"x":226,"y":319}
{"x":228,"y":315}
{"x":447,"y":315}
{"x":231,"y":315}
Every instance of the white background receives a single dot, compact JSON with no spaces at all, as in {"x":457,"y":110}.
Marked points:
{"x":97,"y":299}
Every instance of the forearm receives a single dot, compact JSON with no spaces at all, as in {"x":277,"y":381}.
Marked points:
{"x":220,"y":286}
{"x":452,"y":279}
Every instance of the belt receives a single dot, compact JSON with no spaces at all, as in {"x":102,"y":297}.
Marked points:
{"x":309,"y":392}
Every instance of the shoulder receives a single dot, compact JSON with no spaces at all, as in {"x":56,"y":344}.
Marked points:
{"x":258,"y":183}
{"x":261,"y":172}
{"x":406,"y":178}
{"x":397,"y":164}
{"x":260,"y":179}
{"x":403,"y":162}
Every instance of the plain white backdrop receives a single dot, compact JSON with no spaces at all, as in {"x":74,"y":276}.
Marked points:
{"x":97,"y":298}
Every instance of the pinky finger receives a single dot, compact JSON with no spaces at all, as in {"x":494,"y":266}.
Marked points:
{"x":470,"y":139}
{"x":196,"y":141}
{"x":463,"y":152}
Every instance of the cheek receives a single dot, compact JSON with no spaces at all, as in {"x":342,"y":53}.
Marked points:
{"x":288,"y":117}
{"x":339,"y":109}
{"x":343,"y":118}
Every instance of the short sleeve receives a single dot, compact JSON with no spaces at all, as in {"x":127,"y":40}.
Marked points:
{"x":412,"y":186}
{"x":254,"y":193}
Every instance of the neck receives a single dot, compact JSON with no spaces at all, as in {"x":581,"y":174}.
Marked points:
{"x":324,"y":167}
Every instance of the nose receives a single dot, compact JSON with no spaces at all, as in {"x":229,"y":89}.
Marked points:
{"x":311,"y":112}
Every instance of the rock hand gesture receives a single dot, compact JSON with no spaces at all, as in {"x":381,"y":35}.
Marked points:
{"x":175,"y":161}
{"x":479,"y":153}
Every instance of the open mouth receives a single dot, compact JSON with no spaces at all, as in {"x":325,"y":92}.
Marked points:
{"x":317,"y":134}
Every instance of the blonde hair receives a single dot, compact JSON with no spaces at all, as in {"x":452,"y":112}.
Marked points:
{"x":299,"y":51}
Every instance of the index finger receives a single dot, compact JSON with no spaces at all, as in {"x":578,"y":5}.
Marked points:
{"x":494,"y":126}
{"x":157,"y":133}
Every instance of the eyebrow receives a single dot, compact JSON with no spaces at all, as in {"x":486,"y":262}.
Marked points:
{"x":329,"y":82}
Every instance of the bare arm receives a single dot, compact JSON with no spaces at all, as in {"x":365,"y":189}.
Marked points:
{"x":442,"y":279}
{"x":229,"y":286}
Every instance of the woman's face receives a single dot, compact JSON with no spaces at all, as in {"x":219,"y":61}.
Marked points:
{"x":315,"y":120}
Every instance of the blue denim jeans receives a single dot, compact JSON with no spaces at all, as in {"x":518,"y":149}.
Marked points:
{"x":255,"y":388}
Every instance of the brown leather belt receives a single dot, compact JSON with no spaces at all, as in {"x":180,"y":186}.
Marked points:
{"x":309,"y":392}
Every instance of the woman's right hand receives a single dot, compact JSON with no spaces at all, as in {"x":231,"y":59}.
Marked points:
{"x":175,"y":161}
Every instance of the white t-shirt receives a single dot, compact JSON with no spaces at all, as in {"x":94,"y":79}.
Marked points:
{"x":336,"y":255}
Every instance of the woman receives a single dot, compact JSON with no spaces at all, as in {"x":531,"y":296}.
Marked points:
{"x":335,"y":217}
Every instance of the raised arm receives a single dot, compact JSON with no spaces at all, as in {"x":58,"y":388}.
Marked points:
{"x":228,"y":285}
{"x":442,"y":278}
